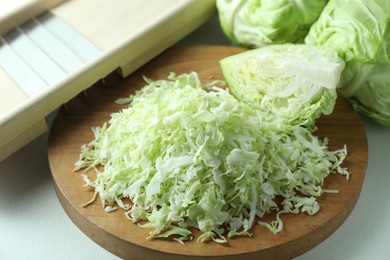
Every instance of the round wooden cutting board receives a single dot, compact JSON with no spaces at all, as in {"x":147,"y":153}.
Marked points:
{"x":113,"y":231}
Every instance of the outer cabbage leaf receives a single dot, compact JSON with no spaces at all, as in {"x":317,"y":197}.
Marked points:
{"x":292,"y":83}
{"x":357,"y":29}
{"x":367,"y":86}
{"x":255,"y":23}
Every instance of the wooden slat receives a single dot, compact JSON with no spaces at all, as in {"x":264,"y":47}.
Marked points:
{"x":25,"y":135}
{"x":14,"y":95}
{"x":139,"y":32}
{"x":20,"y":72}
{"x":34,"y":57}
{"x":128,"y":34}
{"x":16,"y":12}
{"x":69,"y":36}
{"x":52,"y":46}
{"x":109,"y":24}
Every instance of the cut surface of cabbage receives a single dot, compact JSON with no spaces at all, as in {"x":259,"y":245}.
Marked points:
{"x":292,"y":83}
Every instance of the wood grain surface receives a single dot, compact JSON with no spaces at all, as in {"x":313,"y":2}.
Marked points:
{"x":113,"y":231}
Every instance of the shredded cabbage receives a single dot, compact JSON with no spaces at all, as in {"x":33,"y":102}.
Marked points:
{"x":190,"y":155}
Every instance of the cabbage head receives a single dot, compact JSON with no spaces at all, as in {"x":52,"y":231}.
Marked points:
{"x":357,"y":29}
{"x":254,"y":23}
{"x":367,"y":87}
{"x":292,"y":83}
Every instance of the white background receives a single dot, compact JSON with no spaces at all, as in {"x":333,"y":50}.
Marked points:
{"x":33,"y":224}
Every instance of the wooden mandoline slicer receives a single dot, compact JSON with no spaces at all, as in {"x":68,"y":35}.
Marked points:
{"x":51,"y":50}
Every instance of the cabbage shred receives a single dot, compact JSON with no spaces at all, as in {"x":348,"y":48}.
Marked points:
{"x":189,"y":155}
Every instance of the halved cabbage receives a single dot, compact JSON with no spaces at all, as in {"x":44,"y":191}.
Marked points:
{"x":291,"y":83}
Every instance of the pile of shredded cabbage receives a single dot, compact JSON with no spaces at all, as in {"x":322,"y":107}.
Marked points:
{"x":190,"y":158}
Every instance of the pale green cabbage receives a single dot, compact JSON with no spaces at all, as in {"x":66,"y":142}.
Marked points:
{"x":367,"y":86}
{"x":359,"y":30}
{"x":294,"y":83}
{"x":254,"y":23}
{"x":191,"y":158}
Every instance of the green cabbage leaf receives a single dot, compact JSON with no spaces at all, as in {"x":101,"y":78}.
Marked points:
{"x":357,"y":29}
{"x":367,"y":86}
{"x":254,"y":23}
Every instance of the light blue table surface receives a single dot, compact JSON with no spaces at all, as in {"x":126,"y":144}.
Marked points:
{"x":33,"y":224}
